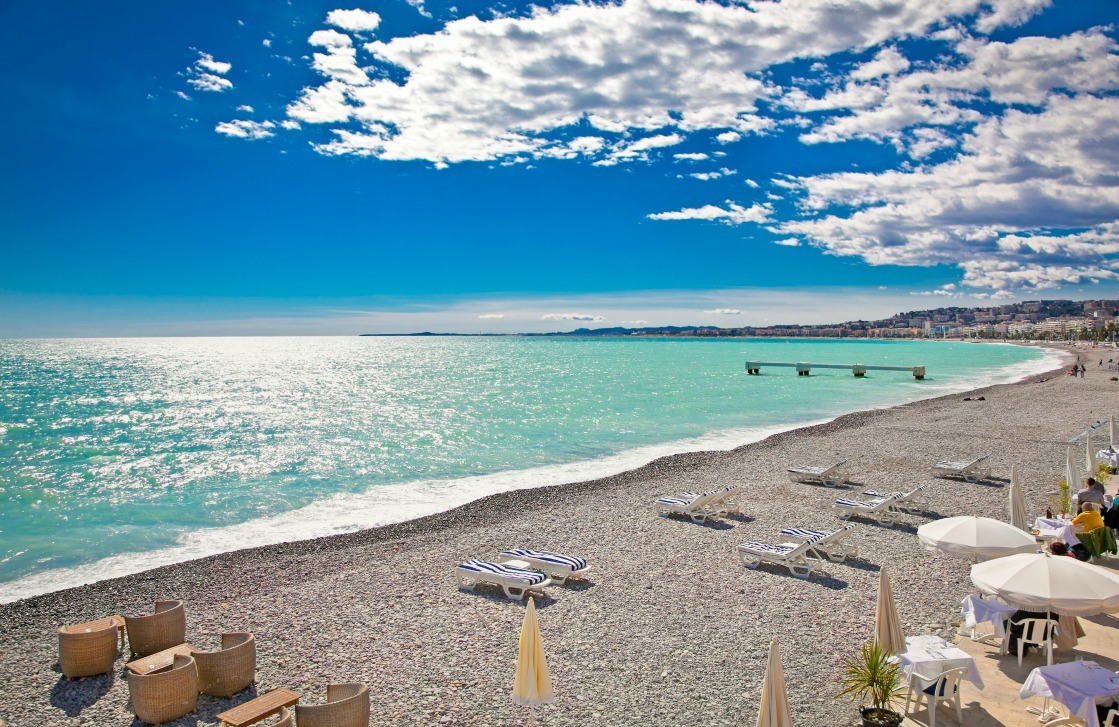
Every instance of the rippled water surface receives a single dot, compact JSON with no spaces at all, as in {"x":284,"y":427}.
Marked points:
{"x":117,"y":455}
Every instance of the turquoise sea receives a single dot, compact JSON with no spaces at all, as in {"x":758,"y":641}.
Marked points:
{"x":118,"y":455}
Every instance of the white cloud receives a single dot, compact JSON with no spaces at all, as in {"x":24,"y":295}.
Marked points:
{"x":751,"y":183}
{"x":207,"y":74}
{"x":182,"y":95}
{"x":788,"y":242}
{"x":353,"y":20}
{"x":888,"y":62}
{"x":717,"y":174}
{"x":246,"y":108}
{"x":728,"y":137}
{"x":733,"y":214}
{"x":484,"y":90}
{"x":571,"y":317}
{"x":635,"y":324}
{"x":246,"y":129}
{"x":691,"y":156}
{"x":724,"y":312}
{"x":267,"y":42}
{"x":491,"y":316}
{"x":290,"y":125}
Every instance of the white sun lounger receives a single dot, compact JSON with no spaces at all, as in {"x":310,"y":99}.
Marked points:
{"x":794,"y":556}
{"x":697,"y":507}
{"x":881,"y":510}
{"x":516,"y":582}
{"x":972,"y":471}
{"x":835,"y":546}
{"x":721,"y":505}
{"x":830,"y":476}
{"x":912,"y":501}
{"x":557,"y":566}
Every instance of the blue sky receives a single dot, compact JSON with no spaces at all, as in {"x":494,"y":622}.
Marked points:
{"x":174,"y":168}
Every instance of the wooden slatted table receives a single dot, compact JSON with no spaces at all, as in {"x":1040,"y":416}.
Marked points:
{"x":257,"y":709}
{"x":158,"y":660}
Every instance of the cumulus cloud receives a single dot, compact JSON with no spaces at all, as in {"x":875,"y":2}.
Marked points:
{"x":207,"y":74}
{"x":717,"y":174}
{"x":491,"y":316}
{"x":571,"y":317}
{"x":691,"y":156}
{"x":733,"y":214}
{"x":355,"y":21}
{"x":246,"y":129}
{"x":724,"y":312}
{"x":246,"y":108}
{"x":485,"y":90}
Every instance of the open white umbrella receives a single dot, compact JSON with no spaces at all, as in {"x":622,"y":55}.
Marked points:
{"x":968,"y":536}
{"x":887,"y":623}
{"x":1090,"y":456}
{"x":532,"y":684}
{"x":1017,"y":501}
{"x":1044,"y":582}
{"x":775,"y":698}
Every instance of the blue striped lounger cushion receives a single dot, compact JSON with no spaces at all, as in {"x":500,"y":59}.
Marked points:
{"x":767,"y":548}
{"x":546,"y":556}
{"x":805,"y":533}
{"x":676,"y":500}
{"x":858,"y":503}
{"x":531,"y":577}
{"x":884,"y":495}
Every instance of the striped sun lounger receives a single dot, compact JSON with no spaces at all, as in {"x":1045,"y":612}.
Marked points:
{"x":833,"y":545}
{"x":697,"y":507}
{"x":881,"y":511}
{"x":516,"y":582}
{"x":794,"y":556}
{"x":559,"y":567}
{"x":971,"y":470}
{"x":911,"y":501}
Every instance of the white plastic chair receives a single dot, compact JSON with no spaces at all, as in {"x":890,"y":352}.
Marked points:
{"x":1112,"y":719}
{"x":1035,"y":632}
{"x":945,"y":688}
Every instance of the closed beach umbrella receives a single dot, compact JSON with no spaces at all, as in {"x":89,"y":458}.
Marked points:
{"x":968,"y":536}
{"x":1090,"y":457}
{"x":1017,"y":501}
{"x":1114,"y":435}
{"x":887,"y":624}
{"x":775,"y":699}
{"x":1072,"y":477}
{"x":532,"y":684}
{"x":1044,"y":582}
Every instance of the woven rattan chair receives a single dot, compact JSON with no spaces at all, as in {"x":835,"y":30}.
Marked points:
{"x":226,"y":672}
{"x":287,"y":719}
{"x":161,"y":630}
{"x":165,"y":695}
{"x":90,"y":648}
{"x":347,"y":705}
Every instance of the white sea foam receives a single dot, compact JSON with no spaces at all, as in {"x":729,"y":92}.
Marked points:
{"x":387,"y":504}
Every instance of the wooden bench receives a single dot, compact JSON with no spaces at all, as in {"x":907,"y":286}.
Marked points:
{"x":257,"y":709}
{"x":159,"y":660}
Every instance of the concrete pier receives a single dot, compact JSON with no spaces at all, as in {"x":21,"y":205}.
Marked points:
{"x":859,"y":370}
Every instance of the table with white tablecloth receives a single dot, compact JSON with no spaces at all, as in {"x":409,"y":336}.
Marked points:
{"x":1056,"y":529}
{"x":1079,"y":685}
{"x":927,"y":657}
{"x":1106,"y":456}
{"x":976,"y":610}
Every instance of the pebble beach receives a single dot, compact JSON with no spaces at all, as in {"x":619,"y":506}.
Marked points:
{"x":669,"y":628}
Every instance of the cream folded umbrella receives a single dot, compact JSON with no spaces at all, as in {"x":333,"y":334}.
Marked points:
{"x":968,"y":536}
{"x":1072,"y":477}
{"x":887,"y":624}
{"x":775,"y":698}
{"x":1114,"y":435}
{"x":1090,"y":456}
{"x":1017,"y":501}
{"x":532,"y":685}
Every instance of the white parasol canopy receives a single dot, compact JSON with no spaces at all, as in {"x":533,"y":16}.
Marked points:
{"x":1044,"y":582}
{"x":774,"y":710}
{"x":1017,"y":501}
{"x":975,"y":537}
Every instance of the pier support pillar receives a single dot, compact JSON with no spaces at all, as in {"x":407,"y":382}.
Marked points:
{"x":919,"y":373}
{"x":858,"y":370}
{"x":803,"y":369}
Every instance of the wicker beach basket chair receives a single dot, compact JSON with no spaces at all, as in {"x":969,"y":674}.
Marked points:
{"x":165,"y":695}
{"x":287,"y":719}
{"x":90,"y":648}
{"x":224,"y":673}
{"x":347,"y":705}
{"x":161,"y":630}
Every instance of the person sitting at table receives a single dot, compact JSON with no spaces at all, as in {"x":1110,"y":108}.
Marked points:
{"x":1089,"y":518}
{"x":1015,"y":628}
{"x":1089,"y":493}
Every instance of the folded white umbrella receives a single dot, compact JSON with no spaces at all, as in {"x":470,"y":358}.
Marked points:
{"x":1114,"y":435}
{"x":1072,"y":477}
{"x":1044,"y":582}
{"x":975,"y":537}
{"x":1017,"y":501}
{"x":774,"y":710}
{"x":887,"y":623}
{"x":1090,"y":456}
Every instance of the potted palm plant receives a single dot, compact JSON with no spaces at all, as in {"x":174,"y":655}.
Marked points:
{"x":870,"y":676}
